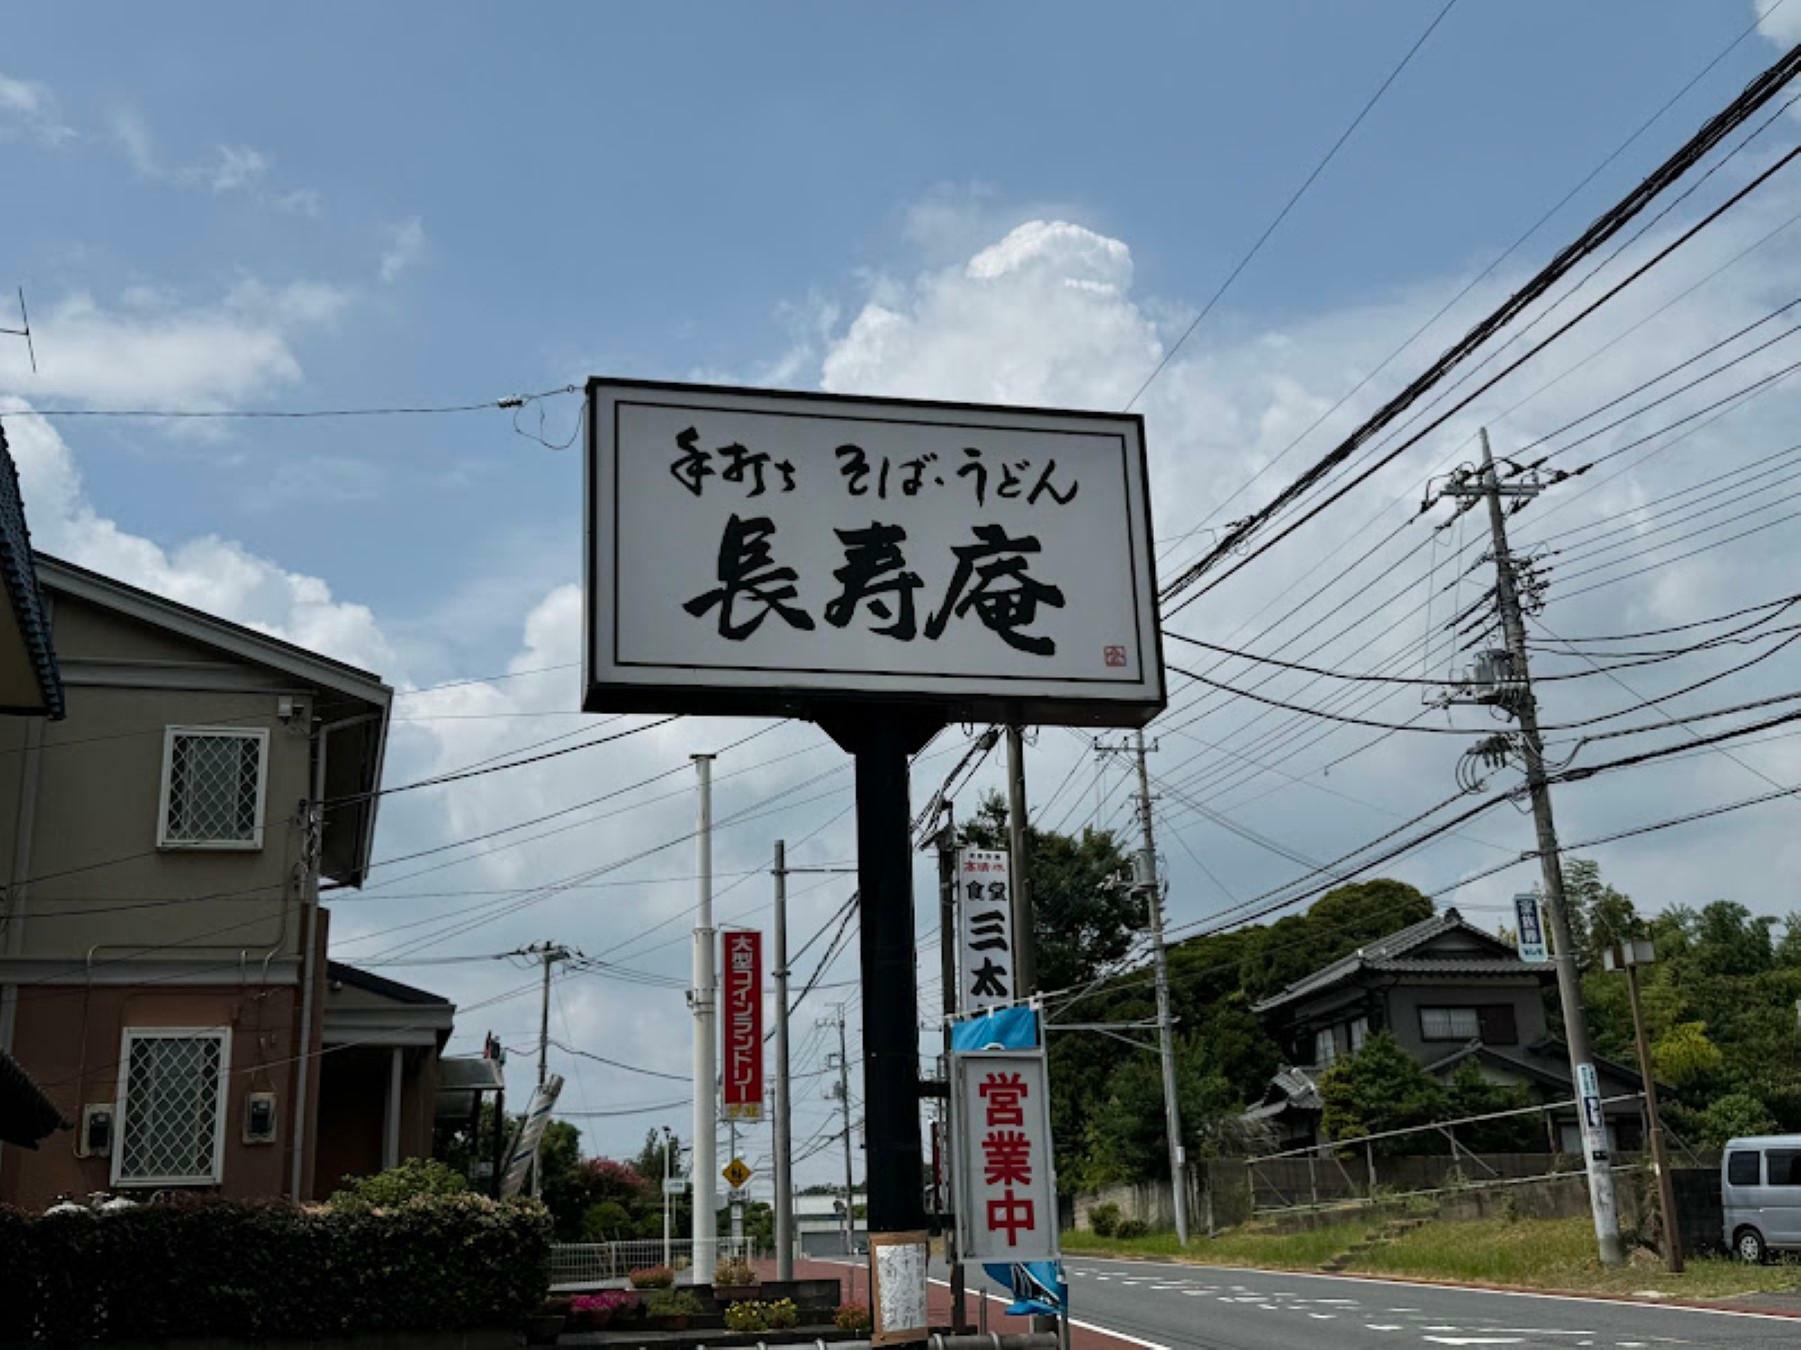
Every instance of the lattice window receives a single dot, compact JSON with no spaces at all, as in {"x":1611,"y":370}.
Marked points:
{"x":213,"y":788}
{"x":171,"y":1106}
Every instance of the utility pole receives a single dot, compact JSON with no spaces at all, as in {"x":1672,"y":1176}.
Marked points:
{"x":701,"y":998}
{"x":850,"y":1223}
{"x":1486,"y":483}
{"x":549,"y":953}
{"x":668,"y":1173}
{"x":1166,"y":1032}
{"x":1629,"y":955}
{"x":1025,"y":945}
{"x":948,"y":977}
{"x":784,"y":1135}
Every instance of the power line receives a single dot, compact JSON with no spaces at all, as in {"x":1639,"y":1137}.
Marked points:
{"x":509,"y":401}
{"x":1759,"y":92}
{"x":1288,"y":206}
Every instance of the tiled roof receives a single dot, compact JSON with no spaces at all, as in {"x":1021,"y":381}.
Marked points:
{"x":1389,"y":955}
{"x":380,"y":984}
{"x":19,"y":576}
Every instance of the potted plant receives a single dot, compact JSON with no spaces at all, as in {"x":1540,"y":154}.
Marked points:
{"x":544,"y":1326}
{"x":651,"y":1277}
{"x":735,"y":1281}
{"x":670,"y":1309}
{"x":594,"y":1312}
{"x":747,"y":1315}
{"x":852,"y":1317}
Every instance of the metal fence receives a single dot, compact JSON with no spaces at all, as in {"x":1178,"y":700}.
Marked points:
{"x":583,"y":1265}
{"x":1353,"y":1170}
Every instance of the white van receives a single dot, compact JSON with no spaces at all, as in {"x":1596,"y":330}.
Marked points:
{"x":1760,"y":1189}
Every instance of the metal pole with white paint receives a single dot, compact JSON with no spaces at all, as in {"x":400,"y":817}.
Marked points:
{"x":701,"y":999}
{"x":784,"y":1136}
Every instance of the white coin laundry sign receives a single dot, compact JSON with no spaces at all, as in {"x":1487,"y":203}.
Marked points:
{"x":772,"y":553}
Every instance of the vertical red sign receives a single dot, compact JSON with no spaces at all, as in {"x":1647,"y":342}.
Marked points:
{"x":741,"y":1027}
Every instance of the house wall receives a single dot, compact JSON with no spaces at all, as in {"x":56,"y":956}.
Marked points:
{"x":1405,"y":1001}
{"x":68,"y":1037}
{"x":353,"y":1101}
{"x":103,"y":930}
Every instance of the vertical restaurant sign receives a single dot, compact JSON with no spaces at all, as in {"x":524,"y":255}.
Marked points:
{"x":1006,"y":1185}
{"x":742,"y":1024}
{"x":757,"y":552}
{"x":1530,"y":924}
{"x":985,"y":930}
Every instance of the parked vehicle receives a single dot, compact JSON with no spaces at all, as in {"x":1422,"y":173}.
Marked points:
{"x":1760,"y":1190}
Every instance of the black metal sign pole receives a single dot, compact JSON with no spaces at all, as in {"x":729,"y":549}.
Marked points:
{"x":882,"y":739}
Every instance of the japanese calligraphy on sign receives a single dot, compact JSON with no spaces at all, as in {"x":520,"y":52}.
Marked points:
{"x":1007,"y":1189}
{"x":1531,"y":928}
{"x":741,"y":1024}
{"x":985,"y":933}
{"x":760,"y":552}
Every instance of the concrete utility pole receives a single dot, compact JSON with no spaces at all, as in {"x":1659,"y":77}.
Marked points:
{"x":850,"y":1224}
{"x":701,"y":998}
{"x":549,"y":953}
{"x":784,"y":1135}
{"x":668,"y":1172}
{"x":1166,"y":1032}
{"x":1025,"y":944}
{"x":1486,"y":483}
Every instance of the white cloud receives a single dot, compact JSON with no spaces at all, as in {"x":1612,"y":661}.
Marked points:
{"x":234,"y":168}
{"x":28,"y":108}
{"x":151,"y":351}
{"x":221,"y":576}
{"x":405,"y":248}
{"x":1779,"y":21}
{"x":133,"y":135}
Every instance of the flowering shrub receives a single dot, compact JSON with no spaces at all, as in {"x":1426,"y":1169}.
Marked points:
{"x":261,"y":1270}
{"x":651,"y":1277}
{"x":852,"y":1317}
{"x":672,"y":1303}
{"x":782,"y":1314}
{"x":747,"y":1315}
{"x":597,"y":1310}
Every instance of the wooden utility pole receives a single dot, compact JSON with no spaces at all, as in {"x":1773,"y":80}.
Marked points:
{"x":1629,"y":955}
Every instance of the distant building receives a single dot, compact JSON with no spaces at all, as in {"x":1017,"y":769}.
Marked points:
{"x":163,"y":970}
{"x":1448,"y":992}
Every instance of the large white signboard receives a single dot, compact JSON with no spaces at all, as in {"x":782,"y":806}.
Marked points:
{"x":985,"y":930}
{"x":757,"y":552}
{"x":1006,"y":1184}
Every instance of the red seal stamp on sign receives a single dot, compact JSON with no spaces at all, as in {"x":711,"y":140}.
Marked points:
{"x":1114,"y":656}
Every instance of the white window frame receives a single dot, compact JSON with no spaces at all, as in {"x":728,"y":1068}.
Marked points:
{"x":258,"y":734}
{"x":1451,"y":1011}
{"x":1326,"y":1038}
{"x":122,"y":1106}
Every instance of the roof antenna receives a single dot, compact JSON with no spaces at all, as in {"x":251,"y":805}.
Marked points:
{"x":24,"y":332}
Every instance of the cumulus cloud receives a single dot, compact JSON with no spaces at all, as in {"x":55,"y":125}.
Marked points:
{"x":150,"y":349}
{"x":216,"y":574}
{"x":29,"y":109}
{"x":405,"y":247}
{"x":1780,"y":22}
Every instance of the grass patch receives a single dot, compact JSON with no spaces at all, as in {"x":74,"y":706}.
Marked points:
{"x":1237,"y":1247}
{"x":1550,"y":1254}
{"x":1559,"y":1254}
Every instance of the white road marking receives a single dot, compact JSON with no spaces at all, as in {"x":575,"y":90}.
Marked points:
{"x":1669,"y":1309}
{"x":1383,"y":1326}
{"x":1475,"y":1340}
{"x":1073,"y":1321}
{"x":1324,"y":1317}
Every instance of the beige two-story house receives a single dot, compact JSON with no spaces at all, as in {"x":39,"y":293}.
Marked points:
{"x":163,"y":971}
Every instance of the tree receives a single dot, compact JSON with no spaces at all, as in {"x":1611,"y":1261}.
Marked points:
{"x":1683,"y":1056}
{"x":1379,"y":1088}
{"x":1733,"y":1116}
{"x":1342,"y":920}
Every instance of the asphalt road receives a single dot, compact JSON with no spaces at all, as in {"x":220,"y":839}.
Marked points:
{"x":1173,"y":1306}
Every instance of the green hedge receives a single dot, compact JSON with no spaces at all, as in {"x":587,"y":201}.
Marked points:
{"x":199,"y":1267}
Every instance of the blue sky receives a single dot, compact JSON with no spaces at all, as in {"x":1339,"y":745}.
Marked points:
{"x":348,"y":206}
